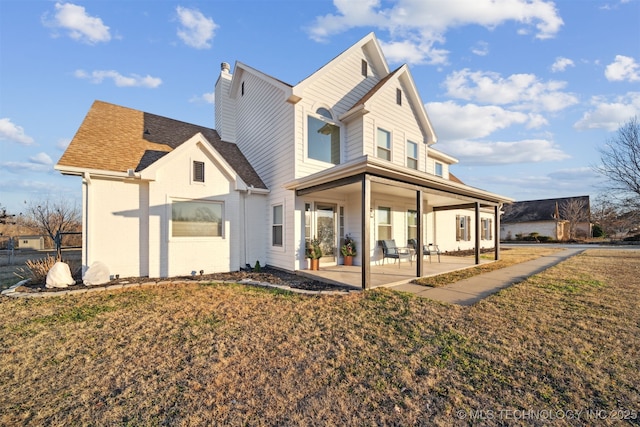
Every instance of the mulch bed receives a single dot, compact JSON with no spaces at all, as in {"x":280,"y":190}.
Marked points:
{"x":267,"y":274}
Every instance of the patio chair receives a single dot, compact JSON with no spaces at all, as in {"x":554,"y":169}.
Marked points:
{"x":390,"y":250}
{"x":427,"y":250}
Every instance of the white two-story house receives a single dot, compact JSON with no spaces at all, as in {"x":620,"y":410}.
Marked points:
{"x":348,"y":150}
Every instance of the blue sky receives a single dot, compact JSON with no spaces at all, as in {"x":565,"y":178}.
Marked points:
{"x":521,"y":92}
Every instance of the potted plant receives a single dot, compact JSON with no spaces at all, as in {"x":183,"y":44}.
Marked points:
{"x":314,"y":253}
{"x":348,"y":250}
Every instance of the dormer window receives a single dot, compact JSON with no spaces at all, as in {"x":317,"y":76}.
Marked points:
{"x":438,"y":169}
{"x":323,"y":137}
{"x":365,"y":68}
{"x":198,"y":171}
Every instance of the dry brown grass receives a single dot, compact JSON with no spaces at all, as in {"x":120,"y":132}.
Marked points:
{"x":566,"y":339}
{"x":508,"y":257}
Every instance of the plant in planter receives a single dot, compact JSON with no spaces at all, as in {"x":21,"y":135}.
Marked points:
{"x":314,"y":253}
{"x":348,"y":250}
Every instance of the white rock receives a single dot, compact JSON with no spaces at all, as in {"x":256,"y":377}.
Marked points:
{"x":96,"y":274}
{"x":59,"y":276}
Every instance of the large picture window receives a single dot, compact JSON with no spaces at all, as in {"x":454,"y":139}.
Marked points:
{"x":323,"y":137}
{"x":196,"y":219}
{"x":384,"y":144}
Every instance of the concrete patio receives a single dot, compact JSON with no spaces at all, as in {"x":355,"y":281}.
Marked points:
{"x":390,"y":273}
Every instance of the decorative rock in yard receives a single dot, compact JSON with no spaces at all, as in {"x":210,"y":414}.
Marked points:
{"x":59,"y":276}
{"x":96,"y":274}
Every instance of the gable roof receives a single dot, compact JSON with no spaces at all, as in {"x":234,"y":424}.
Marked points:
{"x":541,"y":210}
{"x":115,"y":138}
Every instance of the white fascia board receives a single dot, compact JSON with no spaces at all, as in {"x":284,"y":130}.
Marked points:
{"x":238,"y":71}
{"x":368,"y":43}
{"x":74,"y":170}
{"x":196,"y":140}
{"x":439,"y":155}
{"x":414,"y":97}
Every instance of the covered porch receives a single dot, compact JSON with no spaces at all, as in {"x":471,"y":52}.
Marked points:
{"x":372,"y":200}
{"x":390,"y":273}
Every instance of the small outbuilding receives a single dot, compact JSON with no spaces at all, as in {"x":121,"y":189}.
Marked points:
{"x":31,"y":242}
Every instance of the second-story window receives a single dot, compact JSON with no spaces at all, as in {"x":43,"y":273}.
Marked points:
{"x":384,"y":144}
{"x":412,"y":155}
{"x":323,"y":137}
{"x":438,"y":169}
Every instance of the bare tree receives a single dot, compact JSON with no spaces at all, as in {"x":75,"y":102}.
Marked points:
{"x":615,"y":217}
{"x":574,"y":211}
{"x":53,"y":217}
{"x":620,"y":160}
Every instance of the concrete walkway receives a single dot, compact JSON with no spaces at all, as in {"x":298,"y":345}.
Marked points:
{"x":473,"y":289}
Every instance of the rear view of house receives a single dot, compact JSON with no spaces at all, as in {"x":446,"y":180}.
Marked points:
{"x":347,"y":150}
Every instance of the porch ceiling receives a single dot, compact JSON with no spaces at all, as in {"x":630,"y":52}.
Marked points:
{"x":345,"y":181}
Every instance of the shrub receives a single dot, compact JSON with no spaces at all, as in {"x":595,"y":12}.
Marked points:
{"x":37,"y":269}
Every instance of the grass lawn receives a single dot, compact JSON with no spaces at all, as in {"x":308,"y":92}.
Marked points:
{"x":564,"y":340}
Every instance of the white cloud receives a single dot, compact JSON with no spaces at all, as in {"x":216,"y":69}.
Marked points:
{"x":79,"y":25}
{"x":473,"y":121}
{"x":19,"y":167}
{"x":208,"y":98}
{"x":561,"y":64}
{"x":481,"y":48}
{"x":196,"y":29}
{"x":610,"y":114}
{"x":422,"y":23}
{"x":522,"y":91}
{"x":12,"y":132}
{"x":134,"y":80}
{"x":504,"y":152}
{"x":624,"y":68}
{"x":41,"y":159}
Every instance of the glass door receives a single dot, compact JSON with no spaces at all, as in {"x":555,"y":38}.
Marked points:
{"x":326,"y":229}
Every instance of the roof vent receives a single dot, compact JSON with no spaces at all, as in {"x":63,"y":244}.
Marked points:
{"x":225,"y":67}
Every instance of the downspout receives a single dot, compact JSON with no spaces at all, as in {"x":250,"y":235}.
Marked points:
{"x":86,"y":182}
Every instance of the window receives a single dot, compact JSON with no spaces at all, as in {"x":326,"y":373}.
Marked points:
{"x":277,"y":232}
{"x":384,"y":223}
{"x":384,"y":144}
{"x":307,"y":222}
{"x":365,"y":68}
{"x":399,"y":96}
{"x":487,"y":230}
{"x":323,"y":142}
{"x":412,"y":224}
{"x":412,"y":155}
{"x":196,"y":219}
{"x":438,"y":169}
{"x":198,"y":171}
{"x":463,"y":230}
{"x":242,"y":89}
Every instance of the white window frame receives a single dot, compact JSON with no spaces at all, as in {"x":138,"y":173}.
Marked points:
{"x":463,"y":228}
{"x":198,"y":237}
{"x":435,"y":169}
{"x":274,"y":224}
{"x":381,"y":224}
{"x":487,"y":228}
{"x":414,"y":159}
{"x":385,"y":149}
{"x":324,"y":119}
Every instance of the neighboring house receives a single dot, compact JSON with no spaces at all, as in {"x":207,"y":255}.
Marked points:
{"x":348,"y":150}
{"x":549,"y":217}
{"x":31,"y":242}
